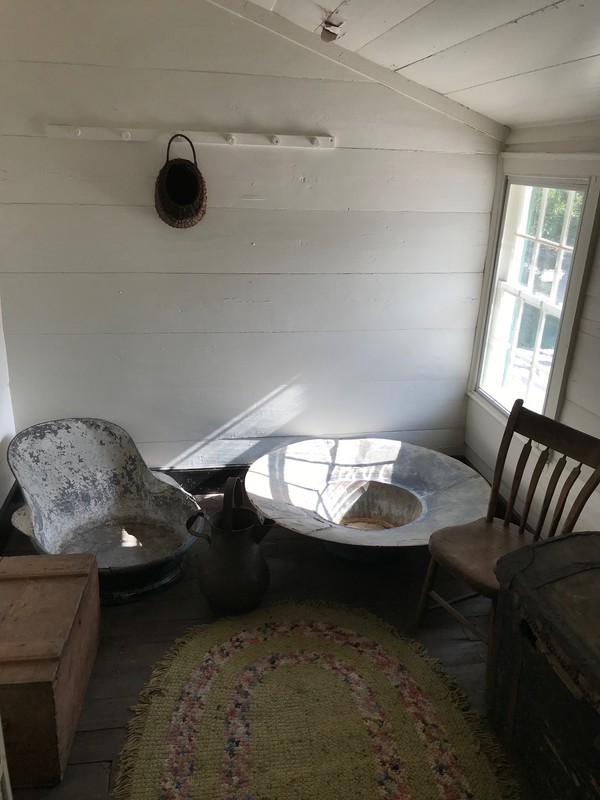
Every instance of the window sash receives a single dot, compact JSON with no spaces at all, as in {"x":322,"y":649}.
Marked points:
{"x":577,"y":172}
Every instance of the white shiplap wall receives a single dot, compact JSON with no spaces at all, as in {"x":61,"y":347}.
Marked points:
{"x":571,"y":149}
{"x":521,"y":62}
{"x":331,"y":292}
{"x":7,"y":425}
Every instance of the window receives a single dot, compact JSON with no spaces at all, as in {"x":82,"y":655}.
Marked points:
{"x":539,"y":234}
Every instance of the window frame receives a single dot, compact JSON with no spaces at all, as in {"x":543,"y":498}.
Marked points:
{"x":552,"y":169}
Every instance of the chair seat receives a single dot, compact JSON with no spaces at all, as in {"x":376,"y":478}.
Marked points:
{"x":469,"y":552}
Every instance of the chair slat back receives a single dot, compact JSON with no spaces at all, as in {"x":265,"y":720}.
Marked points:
{"x":521,"y":464}
{"x":562,"y":498}
{"x":552,"y":484}
{"x":533,"y":484}
{"x":553,"y":437}
{"x":584,"y":495}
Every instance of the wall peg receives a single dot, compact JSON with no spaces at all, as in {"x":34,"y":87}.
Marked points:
{"x":109,"y":134}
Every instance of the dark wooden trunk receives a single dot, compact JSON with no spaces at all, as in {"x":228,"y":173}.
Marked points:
{"x":545,"y":701}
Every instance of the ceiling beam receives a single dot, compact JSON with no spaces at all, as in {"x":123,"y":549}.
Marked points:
{"x":276,"y":24}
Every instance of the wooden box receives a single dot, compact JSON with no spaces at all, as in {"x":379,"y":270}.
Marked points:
{"x":545,"y":700}
{"x":49,"y":631}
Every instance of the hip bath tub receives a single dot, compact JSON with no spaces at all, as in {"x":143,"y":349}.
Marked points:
{"x":365,"y":492}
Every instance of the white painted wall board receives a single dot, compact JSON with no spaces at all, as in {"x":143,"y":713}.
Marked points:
{"x":590,"y":320}
{"x":152,"y":303}
{"x":569,"y":32}
{"x":60,"y":93}
{"x":269,"y":5}
{"x":93,"y":205}
{"x":124,"y":239}
{"x":586,"y":358}
{"x":577,"y":166}
{"x":504,"y":39}
{"x":211,"y":453}
{"x":123,"y":173}
{"x":593,"y":290}
{"x":581,"y":418}
{"x":558,"y":94}
{"x":308,"y":14}
{"x":567,"y":134}
{"x":331,"y":51}
{"x":590,"y":145}
{"x":442,"y":25}
{"x":7,"y":424}
{"x":174,"y":398}
{"x":483,"y":432}
{"x":367,"y":20}
{"x":187,"y":35}
{"x":364,"y":20}
{"x":259,"y":360}
{"x":582,"y":389}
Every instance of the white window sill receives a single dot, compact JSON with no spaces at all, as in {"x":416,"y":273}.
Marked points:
{"x":496,"y":411}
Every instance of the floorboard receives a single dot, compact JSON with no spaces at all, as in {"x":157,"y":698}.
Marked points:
{"x":136,"y":635}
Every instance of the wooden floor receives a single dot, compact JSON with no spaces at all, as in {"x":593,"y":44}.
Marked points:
{"x":136,"y":635}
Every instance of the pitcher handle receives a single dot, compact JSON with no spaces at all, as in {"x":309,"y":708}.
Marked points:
{"x":247,"y":502}
{"x":201,"y":533}
{"x":233,"y":498}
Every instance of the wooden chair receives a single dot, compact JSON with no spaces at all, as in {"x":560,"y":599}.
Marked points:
{"x":469,"y":552}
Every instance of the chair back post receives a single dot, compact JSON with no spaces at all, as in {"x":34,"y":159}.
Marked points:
{"x":584,"y":495}
{"x":501,"y":458}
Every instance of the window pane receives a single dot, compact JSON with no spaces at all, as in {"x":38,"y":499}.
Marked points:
{"x":543,"y":364}
{"x":528,"y":328}
{"x":526,"y":261}
{"x":565,"y":269}
{"x":545,"y":269}
{"x":549,"y":335}
{"x":575,"y":218}
{"x":497,"y":355}
{"x":554,"y":217}
{"x":533,"y":212}
{"x":531,"y":280}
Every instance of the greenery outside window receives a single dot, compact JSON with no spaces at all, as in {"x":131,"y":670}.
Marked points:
{"x":538,"y":237}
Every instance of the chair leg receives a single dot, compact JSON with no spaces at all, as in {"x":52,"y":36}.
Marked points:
{"x":424,"y":599}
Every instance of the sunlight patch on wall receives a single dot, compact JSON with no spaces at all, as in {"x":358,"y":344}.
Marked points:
{"x":278,"y":402}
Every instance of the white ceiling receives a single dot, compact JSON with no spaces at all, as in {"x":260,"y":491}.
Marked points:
{"x":519,"y":62}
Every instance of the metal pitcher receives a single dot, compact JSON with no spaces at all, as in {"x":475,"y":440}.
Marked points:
{"x":233,"y":573}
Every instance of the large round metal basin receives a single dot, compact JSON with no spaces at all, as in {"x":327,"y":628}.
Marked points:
{"x":377,"y":492}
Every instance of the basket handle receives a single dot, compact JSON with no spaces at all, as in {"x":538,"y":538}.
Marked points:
{"x":181,"y":136}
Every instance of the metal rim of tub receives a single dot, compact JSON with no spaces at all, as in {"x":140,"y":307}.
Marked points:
{"x":292,"y":485}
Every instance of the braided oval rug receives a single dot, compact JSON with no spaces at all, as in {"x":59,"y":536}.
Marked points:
{"x":305,"y":702}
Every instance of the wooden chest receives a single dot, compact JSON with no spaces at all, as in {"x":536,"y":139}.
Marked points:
{"x":545,"y":703}
{"x":49,"y":630}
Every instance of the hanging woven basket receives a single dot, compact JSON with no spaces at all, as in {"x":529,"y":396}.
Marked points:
{"x":180,"y":190}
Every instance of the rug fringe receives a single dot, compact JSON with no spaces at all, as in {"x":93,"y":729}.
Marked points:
{"x":135,"y":728}
{"x":490,"y":748}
